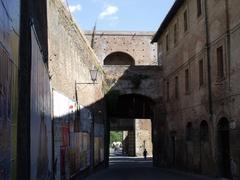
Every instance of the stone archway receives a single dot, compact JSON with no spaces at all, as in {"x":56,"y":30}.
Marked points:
{"x":119,"y":58}
{"x":223,"y":142}
{"x":133,"y":115}
{"x":135,"y":106}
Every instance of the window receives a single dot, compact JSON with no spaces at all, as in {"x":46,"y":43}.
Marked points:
{"x":201,"y":78}
{"x":167,"y":42}
{"x":175,"y":34}
{"x":220,"y":63}
{"x":185,"y":18}
{"x":176,"y":87}
{"x":168,"y":96}
{"x":187,"y":81}
{"x":199,"y":8}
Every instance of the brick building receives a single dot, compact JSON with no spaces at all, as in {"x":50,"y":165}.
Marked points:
{"x":198,"y":48}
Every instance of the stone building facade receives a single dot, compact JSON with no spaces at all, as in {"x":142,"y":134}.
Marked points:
{"x":198,"y":47}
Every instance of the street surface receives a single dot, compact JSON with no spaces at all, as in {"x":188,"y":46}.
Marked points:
{"x":132,"y":168}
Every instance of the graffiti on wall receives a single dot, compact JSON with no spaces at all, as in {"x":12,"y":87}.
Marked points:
{"x":72,"y":144}
{"x":64,"y":110}
{"x":41,"y":123}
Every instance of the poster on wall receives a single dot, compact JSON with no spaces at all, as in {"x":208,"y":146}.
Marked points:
{"x":72,"y":144}
{"x":41,"y":122}
{"x":64,"y":110}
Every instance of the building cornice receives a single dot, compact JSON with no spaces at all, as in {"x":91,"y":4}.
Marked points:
{"x":174,"y":9}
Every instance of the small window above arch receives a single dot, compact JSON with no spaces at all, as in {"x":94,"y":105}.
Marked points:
{"x":119,"y":58}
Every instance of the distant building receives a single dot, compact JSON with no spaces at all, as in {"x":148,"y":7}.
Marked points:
{"x":199,"y":47}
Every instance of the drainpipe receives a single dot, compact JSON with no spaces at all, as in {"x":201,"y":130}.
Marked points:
{"x":208,"y":63}
{"x":228,"y":41}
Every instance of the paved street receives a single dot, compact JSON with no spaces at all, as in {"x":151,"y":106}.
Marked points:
{"x":126,"y":168}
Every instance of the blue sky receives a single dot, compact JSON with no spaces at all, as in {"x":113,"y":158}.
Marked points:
{"x":120,"y":15}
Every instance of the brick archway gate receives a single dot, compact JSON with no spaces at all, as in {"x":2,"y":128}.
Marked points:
{"x":143,"y":78}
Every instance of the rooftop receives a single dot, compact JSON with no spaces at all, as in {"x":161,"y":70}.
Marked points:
{"x":167,"y":20}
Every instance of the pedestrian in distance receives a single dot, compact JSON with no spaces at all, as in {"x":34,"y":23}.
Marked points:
{"x":145,"y":154}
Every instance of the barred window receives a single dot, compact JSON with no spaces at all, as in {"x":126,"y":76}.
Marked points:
{"x":220,"y":63}
{"x":201,"y":78}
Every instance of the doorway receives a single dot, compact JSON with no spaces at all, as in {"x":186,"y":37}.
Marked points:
{"x":224,"y":148}
{"x":173,"y":145}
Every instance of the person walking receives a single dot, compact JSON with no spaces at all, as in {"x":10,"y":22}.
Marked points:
{"x":145,"y":154}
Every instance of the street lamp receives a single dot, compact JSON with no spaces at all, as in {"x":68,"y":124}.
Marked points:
{"x":93,"y":73}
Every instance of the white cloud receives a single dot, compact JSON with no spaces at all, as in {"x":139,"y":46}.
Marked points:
{"x":114,"y":18}
{"x":75,"y":8}
{"x":108,"y":11}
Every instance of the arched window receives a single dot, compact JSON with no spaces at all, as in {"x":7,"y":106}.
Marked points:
{"x":189,"y":132}
{"x":119,"y":58}
{"x":204,"y":132}
{"x":223,"y":125}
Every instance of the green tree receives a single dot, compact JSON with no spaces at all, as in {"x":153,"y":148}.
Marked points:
{"x":115,"y":136}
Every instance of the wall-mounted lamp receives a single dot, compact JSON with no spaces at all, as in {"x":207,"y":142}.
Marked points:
{"x":93,"y":74}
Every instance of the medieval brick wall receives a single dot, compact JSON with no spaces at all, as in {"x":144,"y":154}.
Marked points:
{"x":136,"y":44}
{"x":70,"y":59}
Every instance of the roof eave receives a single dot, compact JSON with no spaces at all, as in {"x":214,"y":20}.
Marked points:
{"x":167,"y":20}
